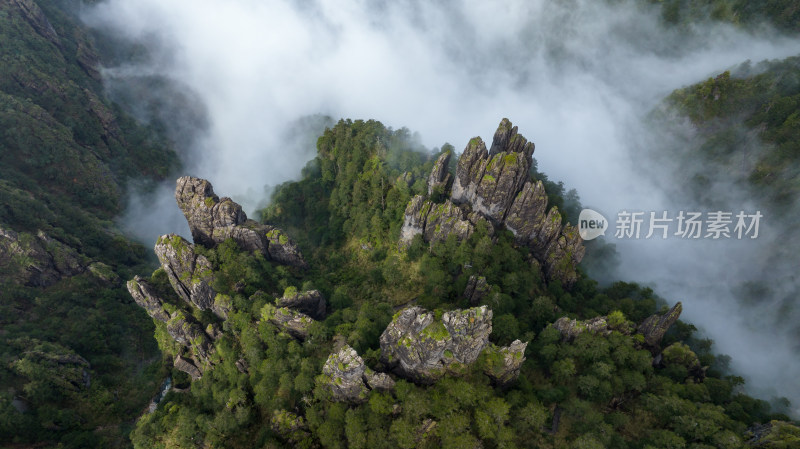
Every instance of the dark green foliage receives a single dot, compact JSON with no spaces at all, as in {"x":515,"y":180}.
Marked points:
{"x":66,"y":155}
{"x":604,"y":389}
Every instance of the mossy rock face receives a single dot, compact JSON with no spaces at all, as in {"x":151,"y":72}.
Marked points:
{"x":424,"y":346}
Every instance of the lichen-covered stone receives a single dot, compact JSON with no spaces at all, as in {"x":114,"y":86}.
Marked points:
{"x":187,"y":332}
{"x":145,"y":296}
{"x":423,"y":349}
{"x":476,"y":289}
{"x":572,"y":328}
{"x":495,"y":187}
{"x":434,"y":221}
{"x":212,"y":220}
{"x":189,"y":273}
{"x":439,"y":176}
{"x":187,"y":366}
{"x":295,"y":323}
{"x":489,"y":181}
{"x":504,"y":363}
{"x":343,"y":374}
{"x":378,"y":381}
{"x":655,"y":326}
{"x":311,"y":302}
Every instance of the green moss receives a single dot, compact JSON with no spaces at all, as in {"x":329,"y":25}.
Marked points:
{"x":435,"y":331}
{"x":209,"y":201}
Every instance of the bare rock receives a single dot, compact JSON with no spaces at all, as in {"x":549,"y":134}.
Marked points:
{"x":38,"y":20}
{"x":145,"y":296}
{"x":243,"y":366}
{"x":311,"y":302}
{"x":495,"y":186}
{"x":655,"y":326}
{"x":189,"y":273}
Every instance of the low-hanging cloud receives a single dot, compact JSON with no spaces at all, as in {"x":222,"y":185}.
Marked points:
{"x":577,"y":77}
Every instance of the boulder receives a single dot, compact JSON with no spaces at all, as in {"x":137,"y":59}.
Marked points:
{"x":434,"y":221}
{"x":422,"y":348}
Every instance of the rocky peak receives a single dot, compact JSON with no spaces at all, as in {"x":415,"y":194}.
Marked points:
{"x":495,"y":186}
{"x":655,"y":326}
{"x":439,"y":177}
{"x":212,"y":220}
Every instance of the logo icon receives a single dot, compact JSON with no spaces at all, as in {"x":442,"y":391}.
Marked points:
{"x":591,"y":224}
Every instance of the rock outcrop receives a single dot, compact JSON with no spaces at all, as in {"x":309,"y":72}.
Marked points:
{"x":423,"y":348}
{"x":36,"y":260}
{"x":495,"y":186}
{"x":572,"y":328}
{"x":311,"y":303}
{"x":434,"y":221}
{"x":655,"y":326}
{"x":295,"y":323}
{"x":212,"y":220}
{"x":504,"y":363}
{"x":343,"y":373}
{"x":349,"y":379}
{"x":189,"y":273}
{"x":439,"y":177}
{"x":187,"y":366}
{"x":145,"y":296}
{"x":476,"y":289}
{"x":188,"y":333}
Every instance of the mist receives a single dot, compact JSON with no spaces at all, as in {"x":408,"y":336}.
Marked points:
{"x":577,"y":77}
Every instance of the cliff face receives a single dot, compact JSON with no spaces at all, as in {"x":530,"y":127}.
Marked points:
{"x":495,"y":186}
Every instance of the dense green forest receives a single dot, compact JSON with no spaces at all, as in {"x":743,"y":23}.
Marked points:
{"x":79,"y":364}
{"x":592,"y":390}
{"x":75,"y":352}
